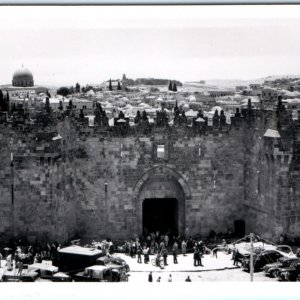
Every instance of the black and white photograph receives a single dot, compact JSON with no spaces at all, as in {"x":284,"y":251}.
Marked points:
{"x":149,"y":145}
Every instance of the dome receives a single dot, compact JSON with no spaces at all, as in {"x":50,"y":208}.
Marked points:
{"x":22,"y":78}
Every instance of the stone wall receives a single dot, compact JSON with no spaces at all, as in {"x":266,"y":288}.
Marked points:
{"x":92,"y":182}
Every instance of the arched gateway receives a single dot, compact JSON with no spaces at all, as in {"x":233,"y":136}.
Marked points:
{"x":160,"y":199}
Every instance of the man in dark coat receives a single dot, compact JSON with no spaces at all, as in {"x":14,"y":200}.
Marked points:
{"x":150,"y":277}
{"x":196,"y":257}
{"x":164,"y":253}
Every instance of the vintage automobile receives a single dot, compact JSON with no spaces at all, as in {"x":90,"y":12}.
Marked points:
{"x":100,"y":273}
{"x":26,"y":277}
{"x":49,"y":272}
{"x":261,"y":259}
{"x":290,"y":273}
{"x":116,"y":260}
{"x":75,"y":258}
{"x":283,"y":262}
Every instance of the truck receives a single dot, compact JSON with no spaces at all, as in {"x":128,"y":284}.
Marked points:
{"x":76,"y":258}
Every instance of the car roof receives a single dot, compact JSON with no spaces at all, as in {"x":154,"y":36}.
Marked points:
{"x":97,"y":268}
{"x":41,"y":266}
{"x":80,"y":250}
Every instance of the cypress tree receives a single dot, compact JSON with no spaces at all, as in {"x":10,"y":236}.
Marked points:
{"x":110,"y":85}
{"x":2,"y":104}
{"x":170,"y":86}
{"x":174,"y":87}
{"x":119,"y":86}
{"x":77,"y":88}
{"x":7,"y":102}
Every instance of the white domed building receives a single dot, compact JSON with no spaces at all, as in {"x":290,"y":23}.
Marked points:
{"x":22,"y":88}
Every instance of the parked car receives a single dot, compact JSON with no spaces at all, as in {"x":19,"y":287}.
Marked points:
{"x":26,"y":277}
{"x":111,"y":273}
{"x":290,"y":273}
{"x":116,"y":260}
{"x":283,"y":262}
{"x":48,"y":272}
{"x":261,"y":259}
{"x":30,"y":276}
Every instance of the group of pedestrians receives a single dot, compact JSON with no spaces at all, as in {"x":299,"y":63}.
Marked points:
{"x":169,"y":279}
{"x":161,"y":246}
{"x":20,"y":252}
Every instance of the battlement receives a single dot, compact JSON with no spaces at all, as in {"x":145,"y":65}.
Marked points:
{"x":64,"y":164}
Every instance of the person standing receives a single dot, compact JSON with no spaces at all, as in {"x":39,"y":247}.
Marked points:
{"x":200,"y":258}
{"x":175,"y":256}
{"x":188,"y":279}
{"x":196,"y":257}
{"x":175,"y":249}
{"x":158,"y":279}
{"x":170,"y":278}
{"x":150,"y":277}
{"x":215,"y":252}
{"x":20,"y":268}
{"x":166,"y":240}
{"x":9,"y":262}
{"x":139,"y":255}
{"x":183,"y":247}
{"x":146,"y":255}
{"x":236,"y":258}
{"x":164,"y":253}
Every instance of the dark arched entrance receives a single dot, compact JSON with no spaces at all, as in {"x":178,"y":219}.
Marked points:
{"x":160,"y":214}
{"x":160,"y":201}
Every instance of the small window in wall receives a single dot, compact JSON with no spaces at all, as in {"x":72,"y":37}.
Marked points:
{"x":199,"y":151}
{"x":160,"y":151}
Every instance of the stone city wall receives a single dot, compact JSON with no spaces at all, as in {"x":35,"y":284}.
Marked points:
{"x":91,"y":183}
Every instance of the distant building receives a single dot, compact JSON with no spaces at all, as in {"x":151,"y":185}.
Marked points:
{"x":270,"y":94}
{"x":255,"y":86}
{"x":219,"y":93}
{"x":22,"y":88}
{"x":240,"y":87}
{"x":77,"y":104}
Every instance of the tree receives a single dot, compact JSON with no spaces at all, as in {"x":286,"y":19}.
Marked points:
{"x":2,"y":102}
{"x":170,"y":86}
{"x":61,"y":107}
{"x":110,"y":85}
{"x":119,"y":86}
{"x":77,"y":88}
{"x":71,"y":90}
{"x":47,"y":105}
{"x":144,"y":116}
{"x":63,"y":91}
{"x":174,"y":87}
{"x":13,"y":108}
{"x":176,"y":108}
{"x":70,"y":104}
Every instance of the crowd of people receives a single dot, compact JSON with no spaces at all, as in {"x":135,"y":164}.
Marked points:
{"x":162,"y":245}
{"x":18,"y":253}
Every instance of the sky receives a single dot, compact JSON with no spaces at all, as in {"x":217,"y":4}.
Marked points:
{"x":63,"y":45}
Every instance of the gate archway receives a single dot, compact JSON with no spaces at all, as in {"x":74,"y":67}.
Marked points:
{"x":160,"y":201}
